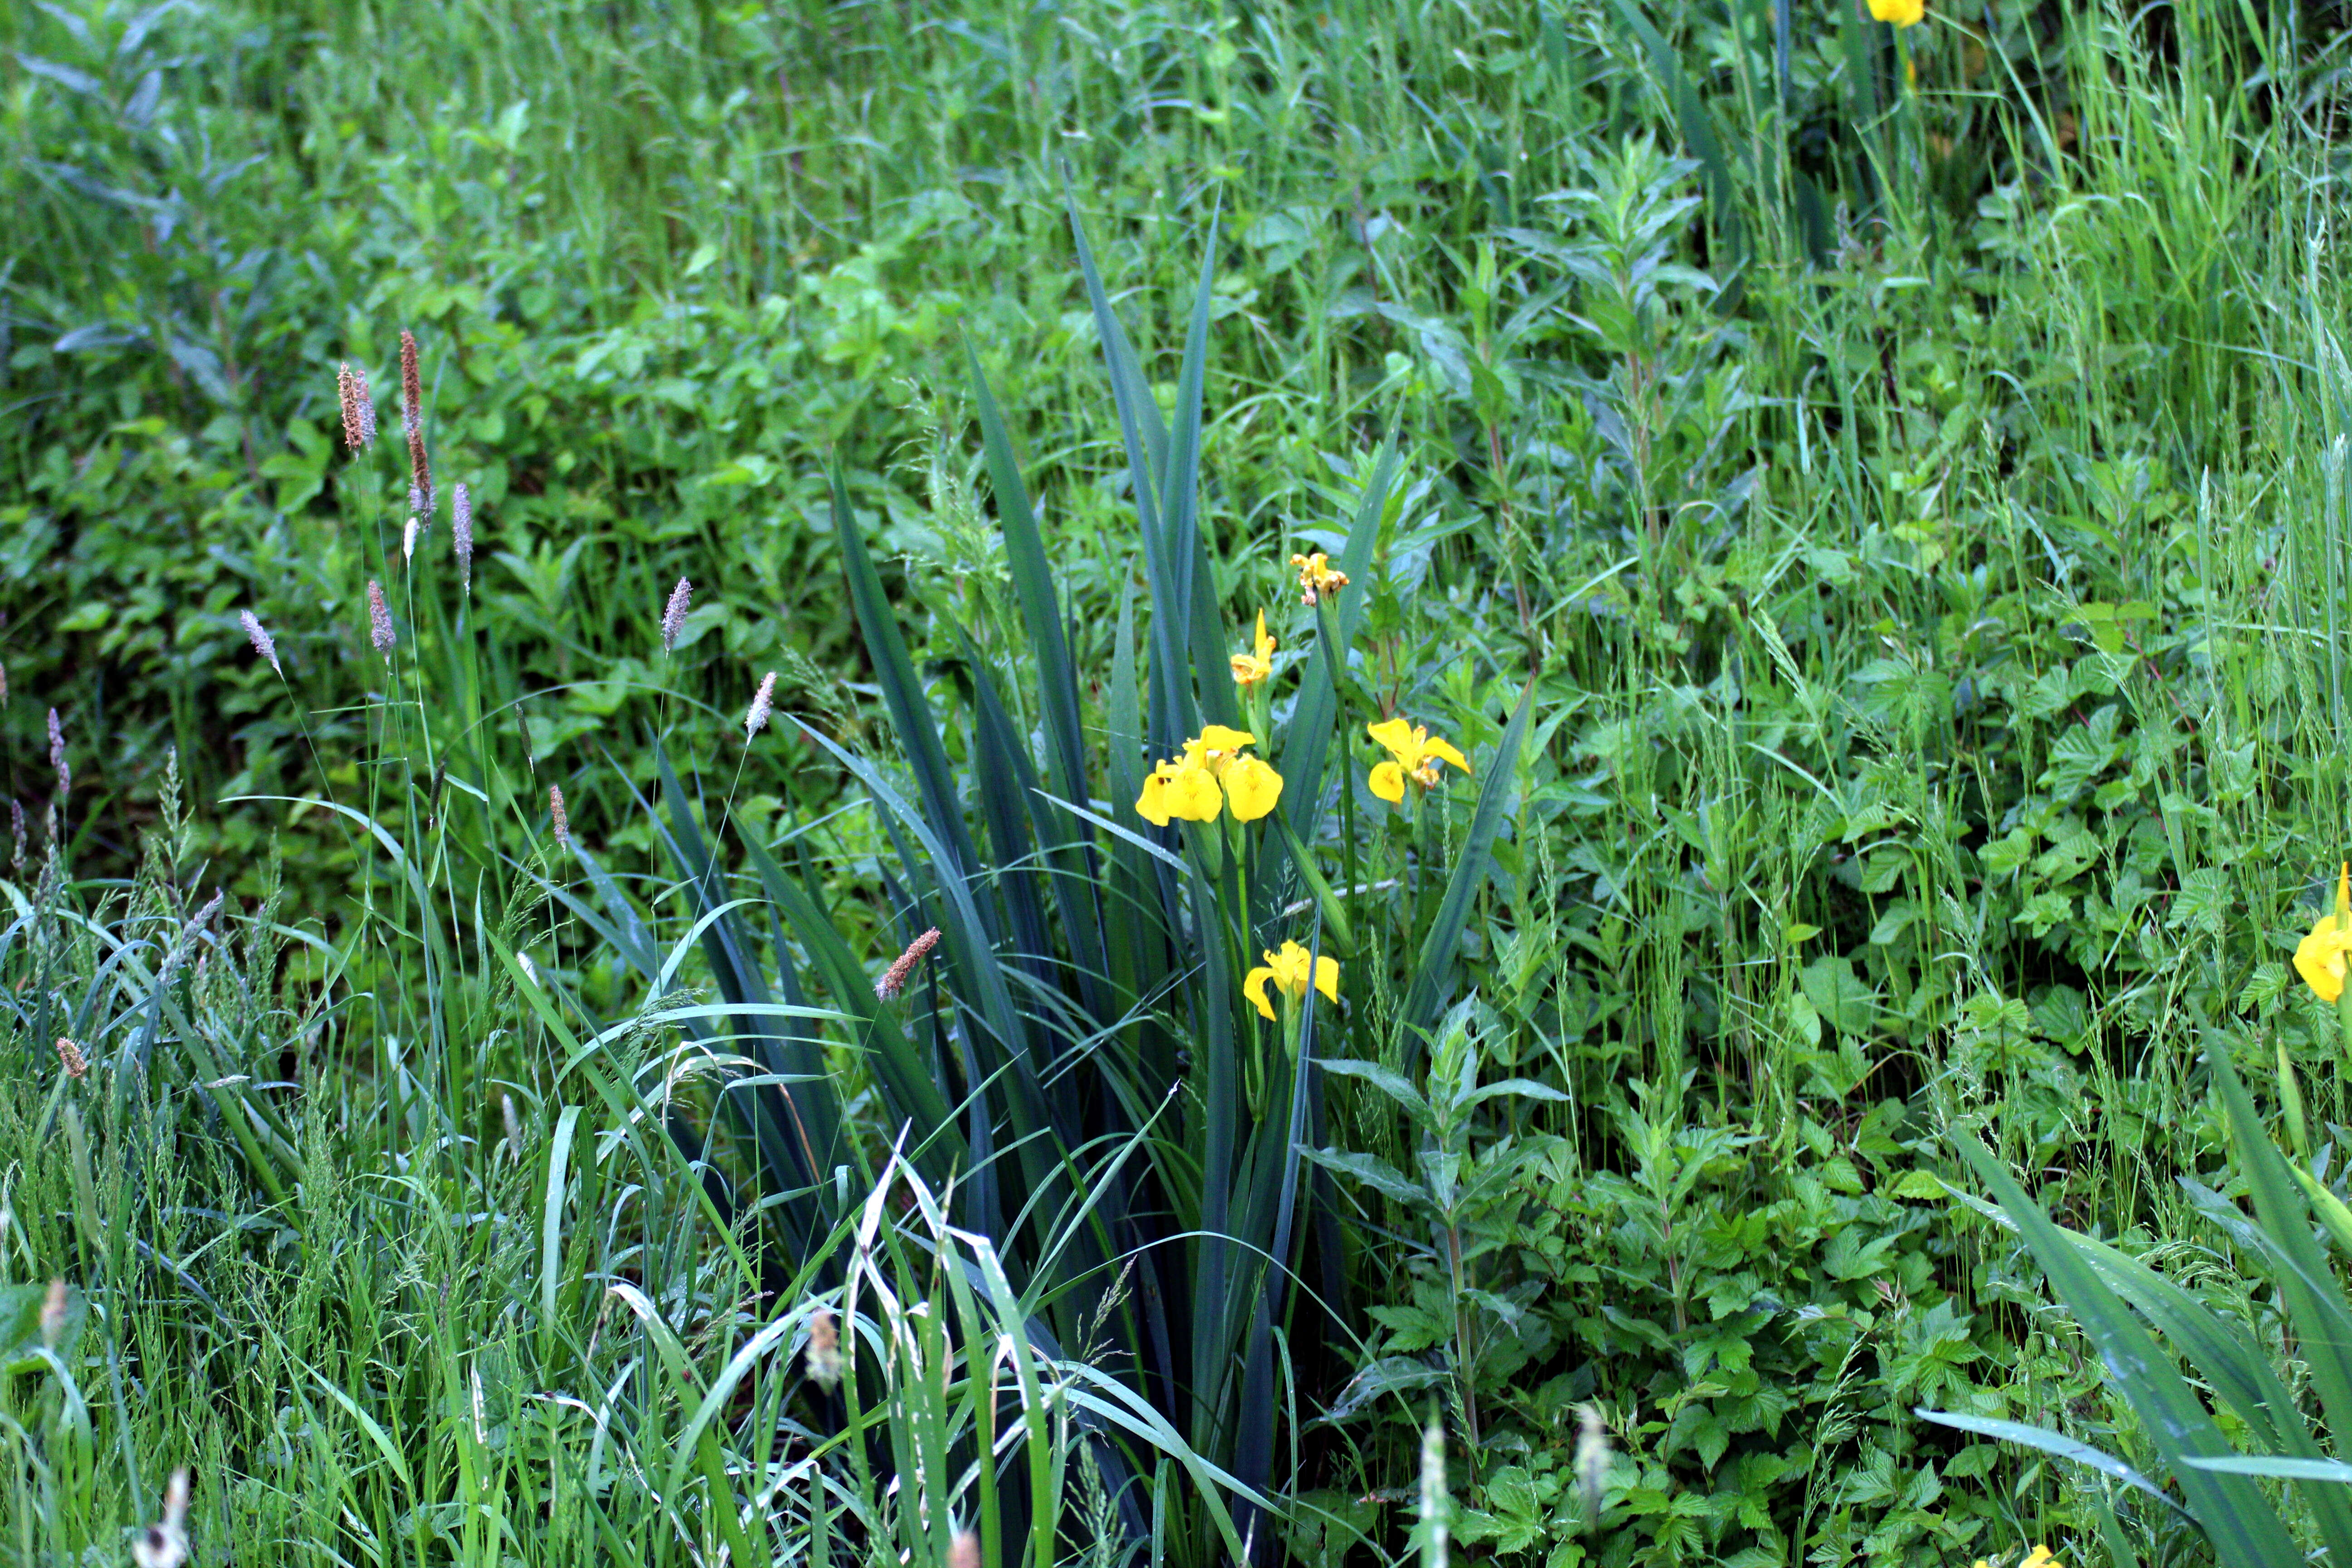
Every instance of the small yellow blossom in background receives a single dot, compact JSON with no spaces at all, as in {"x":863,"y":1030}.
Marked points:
{"x":1413,"y":755}
{"x":2319,"y":957}
{"x":1317,"y":577}
{"x":1249,"y":668}
{"x":1903,"y":14}
{"x":1288,"y":971}
{"x":1211,"y":775}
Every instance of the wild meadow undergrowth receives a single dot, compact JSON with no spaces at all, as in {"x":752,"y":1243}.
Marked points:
{"x":1866,"y":516}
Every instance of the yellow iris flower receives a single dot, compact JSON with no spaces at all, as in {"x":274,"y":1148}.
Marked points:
{"x":1249,"y":668}
{"x":1903,"y":14}
{"x":1288,"y":972}
{"x":1317,"y":577}
{"x":1211,"y":775}
{"x":1413,"y":754}
{"x":2319,"y":957}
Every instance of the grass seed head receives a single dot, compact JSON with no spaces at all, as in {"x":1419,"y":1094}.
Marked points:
{"x":412,"y":422}
{"x":165,"y":1544}
{"x":1592,"y":1460}
{"x":894,"y":980}
{"x":57,"y":753}
{"x":16,"y":828}
{"x":461,"y":530}
{"x":379,"y":620}
{"x":555,"y":810}
{"x":965,"y":1551}
{"x":824,"y":1349}
{"x":263,"y":643}
{"x":53,"y":1314}
{"x":408,"y":536}
{"x":674,"y":613}
{"x":761,"y":700}
{"x":358,"y":407}
{"x":70,"y":1055}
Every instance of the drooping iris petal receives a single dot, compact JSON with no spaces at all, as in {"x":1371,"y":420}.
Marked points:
{"x":1252,"y":788}
{"x":1253,"y":987}
{"x":1193,"y":794}
{"x":1388,"y":782}
{"x":1152,"y":804}
{"x":1901,"y":13}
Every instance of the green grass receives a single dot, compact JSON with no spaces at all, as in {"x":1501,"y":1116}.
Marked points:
{"x":1917,"y":515}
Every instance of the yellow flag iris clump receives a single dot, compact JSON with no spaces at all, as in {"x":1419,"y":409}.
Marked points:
{"x":1251,"y":667}
{"x":1413,"y":754}
{"x":2319,"y":957}
{"x":1289,"y":971}
{"x":1212,"y":775}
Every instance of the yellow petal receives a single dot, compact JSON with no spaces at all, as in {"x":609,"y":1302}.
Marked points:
{"x":1152,"y":804}
{"x":1265,"y":643}
{"x":1388,"y":782}
{"x":1396,"y":735}
{"x":1327,"y":978}
{"x":2319,"y":959}
{"x":1445,"y":748}
{"x":1252,"y":788}
{"x":1253,"y":987}
{"x":1901,"y":13}
{"x":1248,"y":671}
{"x":1221,"y":738}
{"x":1193,"y":794}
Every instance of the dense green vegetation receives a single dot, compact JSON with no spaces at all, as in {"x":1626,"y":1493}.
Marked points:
{"x":1868,"y":506}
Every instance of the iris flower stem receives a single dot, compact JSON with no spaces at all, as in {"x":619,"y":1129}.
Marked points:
{"x":2343,"y":1022}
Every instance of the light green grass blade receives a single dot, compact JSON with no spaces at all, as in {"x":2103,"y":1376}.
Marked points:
{"x":2231,"y":1511}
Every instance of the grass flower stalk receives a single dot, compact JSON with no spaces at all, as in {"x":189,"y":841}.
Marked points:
{"x":380,"y":632}
{"x":358,"y":407}
{"x":263,"y":643}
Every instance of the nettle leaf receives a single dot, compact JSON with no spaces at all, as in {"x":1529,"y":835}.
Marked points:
{"x":1838,"y":994}
{"x":1411,"y":1328}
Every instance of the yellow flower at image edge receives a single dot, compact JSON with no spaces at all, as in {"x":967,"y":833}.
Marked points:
{"x":2319,"y":957}
{"x":1288,"y":972}
{"x":1412,"y":754}
{"x":1901,"y":13}
{"x":1251,"y":667}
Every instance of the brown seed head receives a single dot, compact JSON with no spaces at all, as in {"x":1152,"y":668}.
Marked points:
{"x":76,"y":1066}
{"x":824,"y":1349}
{"x":358,"y":407}
{"x":16,"y":827}
{"x":412,"y":422}
{"x":555,"y":810}
{"x":379,"y":620}
{"x":894,"y":980}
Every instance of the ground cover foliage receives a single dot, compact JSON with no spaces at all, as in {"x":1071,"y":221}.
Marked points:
{"x":1868,"y":507}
